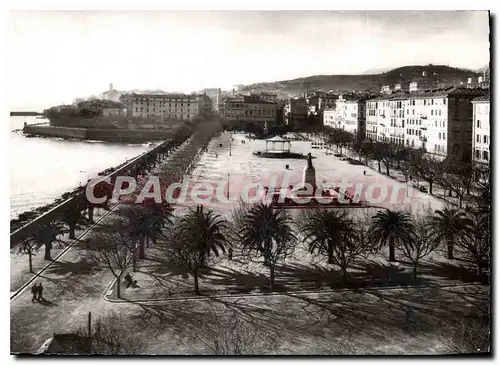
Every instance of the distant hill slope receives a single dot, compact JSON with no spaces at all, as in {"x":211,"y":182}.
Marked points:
{"x":435,"y":75}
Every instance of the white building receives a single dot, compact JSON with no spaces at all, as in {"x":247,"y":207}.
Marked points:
{"x":481,"y":129}
{"x":349,"y":114}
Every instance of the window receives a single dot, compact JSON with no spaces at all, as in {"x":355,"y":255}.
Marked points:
{"x":478,"y":138}
{"x":444,"y":101}
{"x":485,"y":155}
{"x":485,"y":139}
{"x":478,"y":154}
{"x":478,"y":123}
{"x":444,"y":135}
{"x":432,"y":112}
{"x":439,"y":136}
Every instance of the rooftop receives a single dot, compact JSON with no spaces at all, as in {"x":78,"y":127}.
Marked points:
{"x":485,"y":97}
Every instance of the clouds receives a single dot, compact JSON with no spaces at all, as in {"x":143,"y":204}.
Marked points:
{"x":56,"y":56}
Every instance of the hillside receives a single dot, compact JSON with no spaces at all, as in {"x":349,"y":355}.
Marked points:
{"x":436,"y":75}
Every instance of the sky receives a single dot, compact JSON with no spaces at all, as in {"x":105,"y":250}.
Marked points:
{"x":56,"y":56}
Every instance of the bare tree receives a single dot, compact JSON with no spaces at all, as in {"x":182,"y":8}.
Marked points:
{"x":419,"y":244}
{"x":112,"y":248}
{"x":475,"y":244}
{"x":112,"y":335}
{"x":429,"y":169}
{"x":29,"y":247}
{"x":468,"y":335}
{"x":227,"y":333}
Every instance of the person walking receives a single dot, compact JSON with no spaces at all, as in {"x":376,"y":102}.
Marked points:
{"x":34,"y":291}
{"x":364,"y":172}
{"x":40,"y":292}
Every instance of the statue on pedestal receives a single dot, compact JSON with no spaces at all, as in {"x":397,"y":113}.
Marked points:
{"x":309,"y":172}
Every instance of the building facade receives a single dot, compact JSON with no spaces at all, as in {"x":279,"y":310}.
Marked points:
{"x":296,"y":111}
{"x":439,"y":120}
{"x":481,"y":129}
{"x":166,"y":106}
{"x":247,"y":109}
{"x":349,"y":115}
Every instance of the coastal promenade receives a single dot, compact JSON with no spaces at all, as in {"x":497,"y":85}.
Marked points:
{"x":54,"y":213}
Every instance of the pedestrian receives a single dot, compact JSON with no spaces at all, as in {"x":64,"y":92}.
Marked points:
{"x":364,"y":172}
{"x":34,"y":291}
{"x":40,"y":292}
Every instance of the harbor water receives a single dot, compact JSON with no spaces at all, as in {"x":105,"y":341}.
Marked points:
{"x":42,"y":169}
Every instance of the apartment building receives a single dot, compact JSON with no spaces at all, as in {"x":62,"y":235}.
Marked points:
{"x":330,"y":118}
{"x":166,"y":106}
{"x":439,"y":120}
{"x":246,"y":109}
{"x":481,"y":129}
{"x":349,"y":114}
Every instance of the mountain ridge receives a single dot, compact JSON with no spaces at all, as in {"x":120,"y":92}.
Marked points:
{"x":426,"y":76}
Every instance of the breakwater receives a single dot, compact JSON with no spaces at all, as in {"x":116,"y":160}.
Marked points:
{"x":26,"y":228}
{"x":98,"y":134}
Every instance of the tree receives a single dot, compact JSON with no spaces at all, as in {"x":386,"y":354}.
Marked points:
{"x":447,"y":226}
{"x":199,"y":233}
{"x":419,"y":243}
{"x":73,"y":215}
{"x":29,"y":247}
{"x":333,"y":234}
{"x":138,"y":225}
{"x":161,"y":216}
{"x":390,"y":226}
{"x":224,"y":332}
{"x":185,"y":254}
{"x":266,"y":232}
{"x":457,"y":177}
{"x":475,"y":243}
{"x":111,"y":335}
{"x":45,"y":235}
{"x":114,"y":249}
{"x":429,"y":169}
{"x":206,"y":230}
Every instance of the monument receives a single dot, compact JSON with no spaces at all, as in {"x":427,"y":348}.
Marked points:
{"x":309,"y":172}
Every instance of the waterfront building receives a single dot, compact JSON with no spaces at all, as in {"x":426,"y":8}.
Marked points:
{"x":481,"y":129}
{"x":246,"y":109}
{"x":166,"y":106}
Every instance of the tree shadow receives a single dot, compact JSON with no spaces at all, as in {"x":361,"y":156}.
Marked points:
{"x":239,"y":281}
{"x":451,"y":272}
{"x":82,"y":267}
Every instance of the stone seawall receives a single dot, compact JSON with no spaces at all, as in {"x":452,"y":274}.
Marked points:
{"x":121,"y":135}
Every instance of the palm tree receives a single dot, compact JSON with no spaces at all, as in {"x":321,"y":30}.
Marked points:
{"x":448,"y":225}
{"x":392,"y":226}
{"x":333,"y":233}
{"x":206,"y":230}
{"x":475,"y":243}
{"x":323,"y":229}
{"x":199,"y":233}
{"x":268,"y":232}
